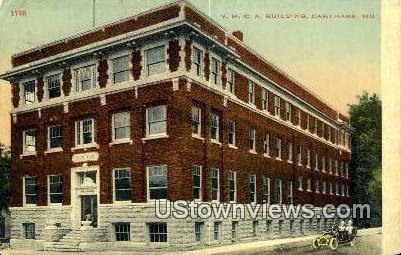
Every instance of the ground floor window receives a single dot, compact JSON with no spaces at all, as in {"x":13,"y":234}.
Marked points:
{"x":29,"y":230}
{"x":198,"y":231}
{"x":234,"y":226}
{"x":122,"y":231}
{"x":158,"y":232}
{"x":216,"y":230}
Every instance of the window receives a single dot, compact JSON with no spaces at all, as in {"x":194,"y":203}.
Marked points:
{"x":29,"y":230}
{"x":342,"y":190}
{"x":336,"y":166}
{"x":122,"y":184}
{"x":84,"y":131}
{"x":232,"y":186}
{"x":55,"y":137}
{"x":300,"y":155}
{"x":316,"y":161}
{"x":234,"y":225}
{"x":231,"y":81}
{"x":215,"y":187}
{"x":214,"y":126}
{"x":120,"y":69}
{"x":309,"y":185}
{"x":287,"y":111}
{"x":330,"y":166}
{"x":322,"y":130}
{"x":85,"y":78}
{"x":324,"y":187}
{"x":158,"y":232}
{"x":252,"y":139}
{"x":315,"y":127}
{"x":324,"y":164}
{"x":155,"y":60}
{"x":197,"y":61}
{"x":55,"y":189}
{"x":255,"y":225}
{"x":29,"y":92}
{"x":157,"y":183}
{"x":266,"y":145}
{"x":290,"y":198}
{"x":29,"y":140}
{"x":289,"y":153}
{"x":277,"y":191}
{"x":157,"y":120}
{"x":196,"y":120}
{"x":346,"y":170}
{"x":122,"y":231}
{"x":266,"y":189}
{"x":278,"y":148}
{"x":265,"y":100}
{"x":308,"y":158}
{"x":30,"y":189}
{"x":331,"y":188}
{"x":277,"y":102}
{"x":307,"y":121}
{"x":252,"y":189}
{"x":215,"y":65}
{"x":121,"y":126}
{"x":231,"y":131}
{"x":216,"y":230}
{"x":53,"y":86}
{"x":317,"y":186}
{"x":300,"y":183}
{"x":251,"y":92}
{"x":337,"y":189}
{"x":198,"y":231}
{"x":197,"y":182}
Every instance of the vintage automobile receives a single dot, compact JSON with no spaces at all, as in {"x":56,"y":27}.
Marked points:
{"x":334,"y":237}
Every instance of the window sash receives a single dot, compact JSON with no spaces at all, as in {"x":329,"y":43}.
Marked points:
{"x":251,"y":138}
{"x":54,"y":85}
{"x":197,"y":60}
{"x":158,"y":232}
{"x":196,"y":120}
{"x":232,"y":186}
{"x":158,"y":182}
{"x":277,"y":191}
{"x":198,"y":231}
{"x":155,"y":60}
{"x":29,"y":92}
{"x":215,"y":70}
{"x":85,"y":78}
{"x":122,"y":184}
{"x":29,"y":230}
{"x":288,"y":111}
{"x":289,"y":193}
{"x":231,"y":132}
{"x":122,"y":231}
{"x":277,"y":102}
{"x":55,"y":188}
{"x":265,"y":100}
{"x":120,"y":69}
{"x":30,"y":190}
{"x":231,"y":81}
{"x":121,"y":125}
{"x":214,"y":126}
{"x":216,"y":230}
{"x":55,"y":136}
{"x":252,"y":188}
{"x":215,"y":185}
{"x":84,"y":131}
{"x":197,"y":181}
{"x":278,"y":148}
{"x":157,"y":120}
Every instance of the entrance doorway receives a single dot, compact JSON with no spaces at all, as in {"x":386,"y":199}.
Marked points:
{"x":89,"y":210}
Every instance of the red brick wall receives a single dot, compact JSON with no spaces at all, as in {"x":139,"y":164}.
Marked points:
{"x":180,"y":151}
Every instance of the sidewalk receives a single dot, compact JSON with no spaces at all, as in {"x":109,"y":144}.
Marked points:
{"x":264,"y":246}
{"x":234,"y":249}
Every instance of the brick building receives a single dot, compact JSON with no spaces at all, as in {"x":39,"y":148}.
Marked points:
{"x":163,"y":105}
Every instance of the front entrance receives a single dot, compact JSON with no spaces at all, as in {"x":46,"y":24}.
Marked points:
{"x":89,"y":210}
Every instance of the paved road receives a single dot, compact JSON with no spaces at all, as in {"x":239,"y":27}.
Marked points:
{"x":367,"y":245}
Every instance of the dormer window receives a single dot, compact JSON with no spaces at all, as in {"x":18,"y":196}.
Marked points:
{"x":85,"y":78}
{"x":29,"y":92}
{"x":155,"y":60}
{"x":53,"y":86}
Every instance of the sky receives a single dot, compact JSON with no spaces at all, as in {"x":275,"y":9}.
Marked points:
{"x":336,"y":57}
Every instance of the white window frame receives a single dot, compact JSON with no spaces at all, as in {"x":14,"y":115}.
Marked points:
{"x":230,"y":81}
{"x":156,"y":135}
{"x":49,"y":138}
{"x":113,"y":73}
{"x":266,"y":145}
{"x":113,"y":127}
{"x":148,"y":182}
{"x":48,"y":189}
{"x":308,"y":158}
{"x":24,"y":149}
{"x":288,"y":111}
{"x":290,"y":196}
{"x":265,"y":100}
{"x":233,"y":132}
{"x":197,"y":168}
{"x":215,"y":74}
{"x":218,"y":184}
{"x":78,"y":82}
{"x":289,"y":151}
{"x":266,"y":189}
{"x":163,"y":46}
{"x":215,"y":117}
{"x":232,"y":176}
{"x":252,"y":182}
{"x":114,"y":185}
{"x":277,"y":105}
{"x":252,"y":137}
{"x":82,"y":145}
{"x":47,"y":85}
{"x":197,"y":109}
{"x":251,"y":92}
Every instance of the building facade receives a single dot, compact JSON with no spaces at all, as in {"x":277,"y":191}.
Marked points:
{"x":164,"y":105}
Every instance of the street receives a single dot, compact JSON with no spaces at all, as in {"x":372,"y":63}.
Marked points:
{"x":367,"y":245}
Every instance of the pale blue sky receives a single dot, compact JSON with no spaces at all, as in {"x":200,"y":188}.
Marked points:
{"x":335,"y":58}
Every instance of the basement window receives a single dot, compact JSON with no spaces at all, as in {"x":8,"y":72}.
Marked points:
{"x":122,"y":231}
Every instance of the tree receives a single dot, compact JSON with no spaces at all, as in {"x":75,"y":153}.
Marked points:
{"x":366,"y":163}
{"x":5,"y":161}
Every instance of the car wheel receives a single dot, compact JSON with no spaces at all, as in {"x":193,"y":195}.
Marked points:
{"x":333,"y":244}
{"x":315,"y":243}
